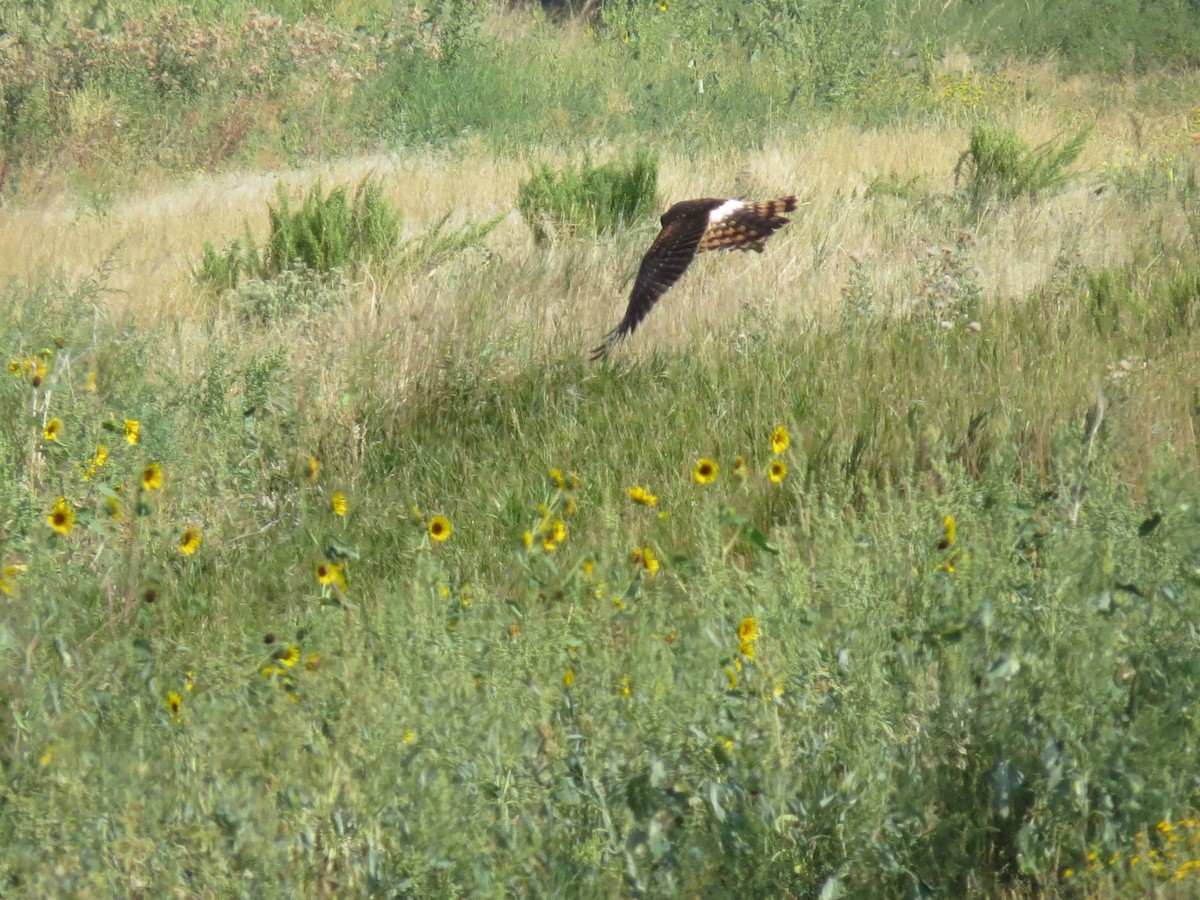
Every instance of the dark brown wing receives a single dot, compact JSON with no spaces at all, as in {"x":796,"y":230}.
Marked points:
{"x":670,"y":254}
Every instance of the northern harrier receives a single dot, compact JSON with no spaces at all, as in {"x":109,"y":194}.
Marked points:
{"x":688,"y":228}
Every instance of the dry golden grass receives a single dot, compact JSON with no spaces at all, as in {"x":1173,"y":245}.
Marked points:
{"x":567,"y":296}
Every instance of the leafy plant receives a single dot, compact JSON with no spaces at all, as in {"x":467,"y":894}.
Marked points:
{"x":335,"y":231}
{"x":588,"y":199}
{"x":999,"y":164}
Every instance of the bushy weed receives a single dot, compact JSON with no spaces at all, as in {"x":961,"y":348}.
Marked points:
{"x":329,"y":233}
{"x":589,"y":199}
{"x":999,"y":164}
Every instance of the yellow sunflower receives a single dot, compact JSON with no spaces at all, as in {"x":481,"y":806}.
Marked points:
{"x":174,"y":702}
{"x":331,"y":573}
{"x":747,"y":630}
{"x":189,"y":541}
{"x":62,"y":517}
{"x":705,"y":471}
{"x":52,"y":430}
{"x":440,"y":528}
{"x":640,"y":495}
{"x":645,"y":557}
{"x":950,"y":529}
{"x":780,"y":440}
{"x":338,"y":504}
{"x":152,"y":477}
{"x":778,"y":471}
{"x":132,"y":429}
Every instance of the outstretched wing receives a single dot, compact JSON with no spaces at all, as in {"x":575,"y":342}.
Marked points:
{"x":670,"y":254}
{"x":741,"y":225}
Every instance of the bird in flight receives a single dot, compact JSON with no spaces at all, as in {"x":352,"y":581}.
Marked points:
{"x":690,"y":227}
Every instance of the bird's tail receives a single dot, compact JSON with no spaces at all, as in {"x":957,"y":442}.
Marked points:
{"x":772,"y":210}
{"x":611,"y":340}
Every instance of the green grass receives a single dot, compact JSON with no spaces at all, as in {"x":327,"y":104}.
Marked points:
{"x":87,"y":93}
{"x":588,"y":199}
{"x":952,"y":652}
{"x":973,"y":715}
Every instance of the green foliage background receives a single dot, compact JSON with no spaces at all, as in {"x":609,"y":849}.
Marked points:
{"x":1003,"y":706}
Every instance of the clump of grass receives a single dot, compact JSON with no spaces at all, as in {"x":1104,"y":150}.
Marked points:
{"x":588,"y":199}
{"x":999,"y":164}
{"x":334,"y":232}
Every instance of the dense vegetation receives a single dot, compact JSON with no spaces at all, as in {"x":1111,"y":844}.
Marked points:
{"x":332,"y":567}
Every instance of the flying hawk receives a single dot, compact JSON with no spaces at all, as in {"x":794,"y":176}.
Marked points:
{"x":690,"y":227}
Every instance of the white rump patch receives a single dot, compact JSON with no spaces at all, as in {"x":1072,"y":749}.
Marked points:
{"x":726,"y":209}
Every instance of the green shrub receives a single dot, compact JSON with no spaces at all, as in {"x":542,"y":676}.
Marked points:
{"x":327,"y":234}
{"x":588,"y":199}
{"x":331,"y":232}
{"x":999,"y":164}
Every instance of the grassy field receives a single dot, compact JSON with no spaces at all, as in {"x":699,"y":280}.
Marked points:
{"x":867,"y":567}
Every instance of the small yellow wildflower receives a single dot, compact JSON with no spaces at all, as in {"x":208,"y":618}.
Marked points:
{"x":588,"y":566}
{"x":569,"y":507}
{"x":189,"y":682}
{"x":189,"y":541}
{"x":331,"y":573}
{"x":90,"y":385}
{"x":114,"y":508}
{"x":290,"y":656}
{"x":780,"y":440}
{"x":101,"y":456}
{"x":739,"y":468}
{"x":440,"y":528}
{"x":132,"y":429}
{"x":338,"y":504}
{"x":568,"y":678}
{"x":52,"y":430}
{"x":639,"y":494}
{"x":747,"y":630}
{"x":626,"y":687}
{"x":556,"y":476}
{"x":62,"y":517}
{"x":314,"y":469}
{"x":548,"y":545}
{"x":705,"y":471}
{"x":152,"y":477}
{"x":409,"y":736}
{"x":746,"y":649}
{"x":46,"y":758}
{"x":663,"y":5}
{"x":778,"y":471}
{"x":174,"y":702}
{"x":558,"y":531}
{"x":1067,"y":873}
{"x":527,"y":540}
